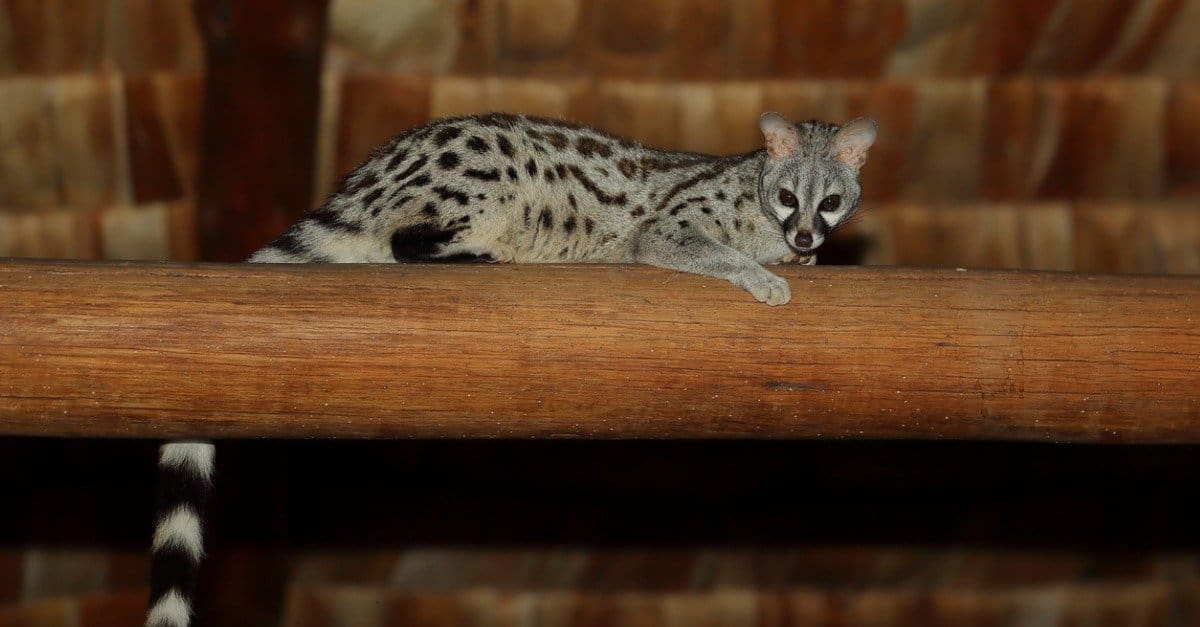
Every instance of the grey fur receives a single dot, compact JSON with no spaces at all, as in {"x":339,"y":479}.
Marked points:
{"x":512,"y":188}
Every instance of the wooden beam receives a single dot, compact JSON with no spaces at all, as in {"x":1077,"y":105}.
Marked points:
{"x":155,"y":350}
{"x":261,"y":98}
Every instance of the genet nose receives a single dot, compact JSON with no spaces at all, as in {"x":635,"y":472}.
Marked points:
{"x":804,"y":240}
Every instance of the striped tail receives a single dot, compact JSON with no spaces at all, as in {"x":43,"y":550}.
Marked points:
{"x":185,"y":478}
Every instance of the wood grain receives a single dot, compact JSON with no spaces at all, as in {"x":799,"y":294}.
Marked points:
{"x":155,"y":350}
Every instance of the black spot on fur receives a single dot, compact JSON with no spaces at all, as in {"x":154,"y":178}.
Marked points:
{"x":549,"y":174}
{"x":505,"y":146}
{"x":741,"y":199}
{"x":588,"y":225}
{"x":422,"y":242}
{"x":446,"y":194}
{"x":637,"y":211}
{"x":696,"y":199}
{"x":290,"y":243}
{"x":445,"y":135}
{"x":677,"y":208}
{"x":464,"y":258}
{"x":396,"y":160}
{"x":448,"y":160}
{"x":572,"y":201}
{"x":430,"y":209}
{"x":531,"y":167}
{"x":556,"y":139}
{"x":604,"y":197}
{"x":569,"y":225}
{"x":482,"y":175}
{"x":717,"y":169}
{"x":706,"y":210}
{"x":417,"y":181}
{"x":481,"y":197}
{"x":589,"y":147}
{"x":374,"y":195}
{"x":538,"y":137}
{"x":720,"y":195}
{"x":417,"y":164}
{"x":683,"y":223}
{"x":527,"y":210}
{"x":477,"y":144}
{"x":334,"y":221}
{"x":511,"y":172}
{"x":498,"y":120}
{"x":546,"y":219}
{"x":365,"y":181}
{"x":560,"y":170}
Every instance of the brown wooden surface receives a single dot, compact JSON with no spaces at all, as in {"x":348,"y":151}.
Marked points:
{"x":263,"y":63}
{"x":543,"y":351}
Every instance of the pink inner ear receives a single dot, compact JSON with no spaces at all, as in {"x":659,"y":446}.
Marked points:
{"x":850,"y":145}
{"x":853,"y":157}
{"x":781,"y":138}
{"x":781,"y":144}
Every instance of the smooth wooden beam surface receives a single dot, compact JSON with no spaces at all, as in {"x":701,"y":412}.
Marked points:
{"x":156,"y":350}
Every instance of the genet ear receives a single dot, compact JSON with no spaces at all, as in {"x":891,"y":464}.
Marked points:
{"x":781,"y":137}
{"x":852,"y":141}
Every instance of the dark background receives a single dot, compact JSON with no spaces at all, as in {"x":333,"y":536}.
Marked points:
{"x":890,"y":533}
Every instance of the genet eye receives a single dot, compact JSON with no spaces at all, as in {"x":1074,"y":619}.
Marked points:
{"x":831,"y":203}
{"x":788,"y":199}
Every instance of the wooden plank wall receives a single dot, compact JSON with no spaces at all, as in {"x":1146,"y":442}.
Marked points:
{"x":1031,"y":134}
{"x":888,"y":588}
{"x":99,"y":119}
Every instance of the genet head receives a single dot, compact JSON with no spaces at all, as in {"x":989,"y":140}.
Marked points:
{"x":809,"y":182}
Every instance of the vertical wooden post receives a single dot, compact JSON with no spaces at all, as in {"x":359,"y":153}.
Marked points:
{"x":261,"y":106}
{"x":261,"y":103}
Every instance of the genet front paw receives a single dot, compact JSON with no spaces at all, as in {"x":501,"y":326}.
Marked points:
{"x":769,"y":289}
{"x":796,"y":258}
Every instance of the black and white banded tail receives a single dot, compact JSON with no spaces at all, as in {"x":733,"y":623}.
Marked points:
{"x":185,"y":477}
